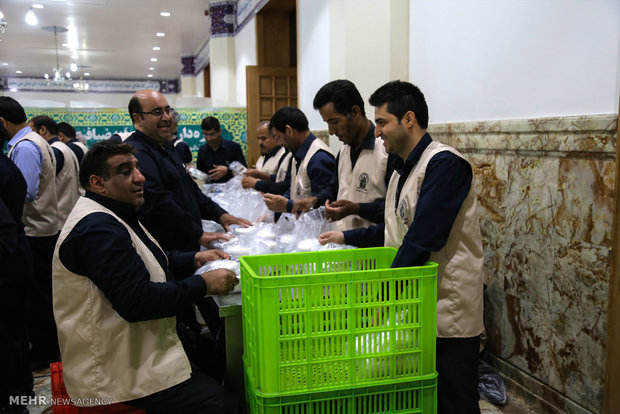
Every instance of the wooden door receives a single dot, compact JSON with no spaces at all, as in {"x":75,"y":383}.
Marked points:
{"x":269,"y":88}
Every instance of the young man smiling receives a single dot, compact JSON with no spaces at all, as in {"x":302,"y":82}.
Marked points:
{"x":430,"y":214}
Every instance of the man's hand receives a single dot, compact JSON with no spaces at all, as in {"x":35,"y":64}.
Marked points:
{"x":248,"y":182}
{"x":303,"y":205}
{"x":275,"y":202}
{"x":227,"y":219}
{"x":261,"y":175}
{"x":340,"y":209}
{"x":331,"y":237}
{"x":220,"y":281}
{"x":207,"y":238}
{"x":218,"y":172}
{"x":202,"y":258}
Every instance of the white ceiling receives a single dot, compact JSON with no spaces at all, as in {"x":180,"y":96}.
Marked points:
{"x":115,"y":38}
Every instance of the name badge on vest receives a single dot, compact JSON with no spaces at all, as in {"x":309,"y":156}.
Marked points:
{"x":364,"y":178}
{"x":403,"y":208}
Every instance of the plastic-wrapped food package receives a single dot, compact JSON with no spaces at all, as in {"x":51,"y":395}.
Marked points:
{"x":237,"y":168}
{"x":212,"y":227}
{"x":223,"y":264}
{"x":247,"y":204}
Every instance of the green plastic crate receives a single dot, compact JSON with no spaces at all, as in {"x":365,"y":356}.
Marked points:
{"x":324,"y":320}
{"x":415,"y":397}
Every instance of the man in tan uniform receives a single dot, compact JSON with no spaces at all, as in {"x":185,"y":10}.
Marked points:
{"x":67,"y":176}
{"x":364,"y":168}
{"x":312,"y":167}
{"x":430,"y":214}
{"x":115,"y":298}
{"x":272,"y":167}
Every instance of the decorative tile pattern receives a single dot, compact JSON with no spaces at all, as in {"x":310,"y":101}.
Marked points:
{"x":97,"y":125}
{"x":545,"y":190}
{"x":223,"y":18}
{"x":188,"y":65}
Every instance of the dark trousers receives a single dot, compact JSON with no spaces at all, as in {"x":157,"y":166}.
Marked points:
{"x":42,"y":327}
{"x":15,"y":374}
{"x":457,"y":366}
{"x":200,"y":395}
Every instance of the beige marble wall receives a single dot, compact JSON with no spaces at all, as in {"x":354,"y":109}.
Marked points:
{"x":545,"y":189}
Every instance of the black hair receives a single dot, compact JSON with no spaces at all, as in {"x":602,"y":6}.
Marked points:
{"x":290,"y":116}
{"x":11,"y":110}
{"x":66,"y":129}
{"x":135,"y":107}
{"x":210,"y":123}
{"x":402,"y":97}
{"x":47,"y":122}
{"x":95,"y":161}
{"x":343,"y":94}
{"x":4,"y":136}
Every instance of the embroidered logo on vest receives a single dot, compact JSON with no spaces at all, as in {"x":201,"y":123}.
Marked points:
{"x":402,"y":212}
{"x":363,"y":183}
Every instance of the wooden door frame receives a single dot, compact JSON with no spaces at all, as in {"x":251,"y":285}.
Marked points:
{"x":253,"y":117}
{"x":612,"y":363}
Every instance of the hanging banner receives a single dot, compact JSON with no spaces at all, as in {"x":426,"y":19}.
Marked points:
{"x":100,"y":124}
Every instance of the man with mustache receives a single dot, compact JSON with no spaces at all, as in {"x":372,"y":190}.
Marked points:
{"x":173,"y":204}
{"x":272,"y":172}
{"x":364,"y":168}
{"x":115,"y":299}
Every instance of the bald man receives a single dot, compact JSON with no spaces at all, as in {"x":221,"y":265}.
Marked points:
{"x":173,"y":203}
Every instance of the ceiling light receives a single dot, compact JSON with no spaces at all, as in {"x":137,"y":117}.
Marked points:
{"x":68,"y":75}
{"x":74,"y":56}
{"x":5,"y":64}
{"x":18,"y":71}
{"x":31,"y":18}
{"x":151,"y":68}
{"x":164,"y":14}
{"x":86,"y":73}
{"x":150,"y":75}
{"x":153,"y":59}
{"x":65,"y":45}
{"x":160,"y":34}
{"x":46,"y":76}
{"x":73,"y":66}
{"x":37,"y":5}
{"x":156,"y":48}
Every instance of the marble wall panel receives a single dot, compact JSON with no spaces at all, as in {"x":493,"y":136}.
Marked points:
{"x":545,"y":189}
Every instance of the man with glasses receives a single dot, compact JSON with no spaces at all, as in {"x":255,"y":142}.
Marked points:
{"x":217,"y":153}
{"x":173,"y":203}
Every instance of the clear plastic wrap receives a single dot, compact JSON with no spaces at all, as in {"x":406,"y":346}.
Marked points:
{"x":239,"y":202}
{"x":223,"y":264}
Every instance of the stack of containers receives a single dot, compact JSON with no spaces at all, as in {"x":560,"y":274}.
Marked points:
{"x":338,"y":332}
